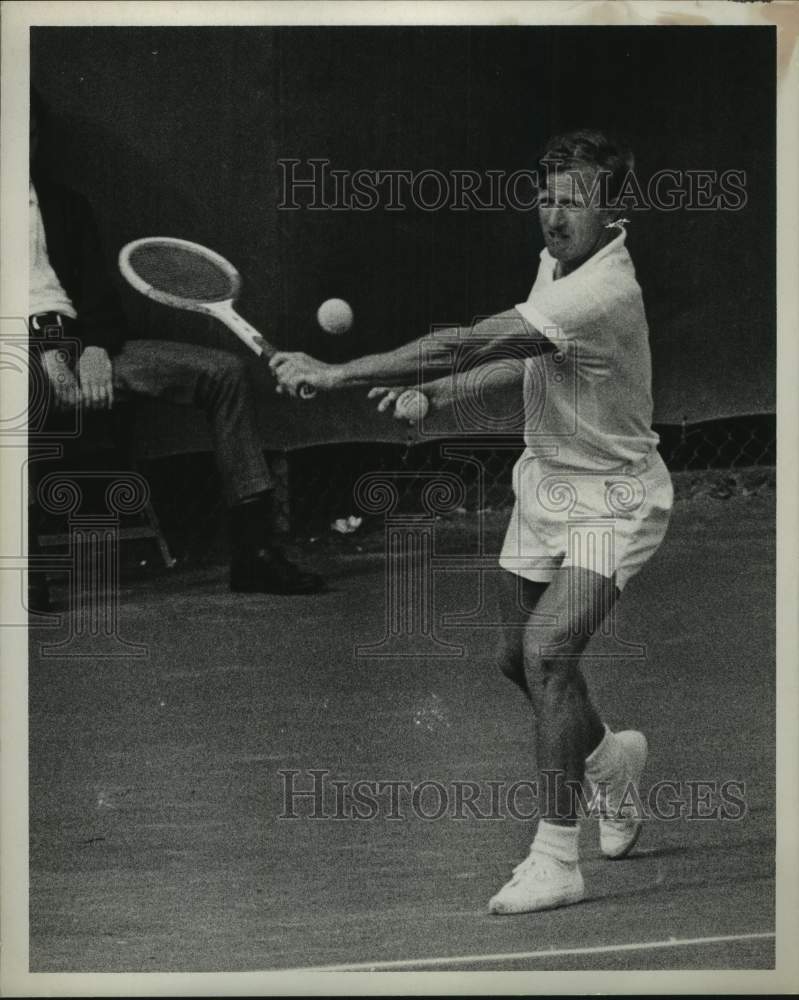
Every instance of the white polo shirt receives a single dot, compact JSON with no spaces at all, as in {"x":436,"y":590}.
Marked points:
{"x":590,"y":402}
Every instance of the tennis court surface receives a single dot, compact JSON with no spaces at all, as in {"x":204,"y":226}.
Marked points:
{"x":157,"y":842}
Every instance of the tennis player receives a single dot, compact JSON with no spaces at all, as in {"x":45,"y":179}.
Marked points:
{"x":590,"y":459}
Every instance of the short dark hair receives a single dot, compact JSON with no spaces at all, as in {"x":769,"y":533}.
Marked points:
{"x":588,"y":147}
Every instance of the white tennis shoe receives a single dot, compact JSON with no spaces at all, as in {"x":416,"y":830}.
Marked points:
{"x":616,"y":796}
{"x":540,"y":882}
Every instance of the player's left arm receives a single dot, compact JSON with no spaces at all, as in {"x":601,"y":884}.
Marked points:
{"x":458,"y":348}
{"x":497,"y":338}
{"x":443,"y":393}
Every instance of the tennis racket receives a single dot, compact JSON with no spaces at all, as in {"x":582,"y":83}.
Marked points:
{"x":187,"y":275}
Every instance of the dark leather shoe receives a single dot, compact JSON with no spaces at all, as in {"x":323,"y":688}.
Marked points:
{"x":268,"y":571}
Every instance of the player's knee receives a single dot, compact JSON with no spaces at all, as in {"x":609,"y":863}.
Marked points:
{"x":546,"y":643}
{"x":552,"y":655}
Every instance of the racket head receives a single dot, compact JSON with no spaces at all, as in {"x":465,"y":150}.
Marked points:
{"x":185,"y":275}
{"x":179,"y":273}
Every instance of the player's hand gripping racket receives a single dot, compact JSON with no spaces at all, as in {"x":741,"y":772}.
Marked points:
{"x":186,"y":275}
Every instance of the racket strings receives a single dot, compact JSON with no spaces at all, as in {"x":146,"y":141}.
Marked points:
{"x":181,"y":272}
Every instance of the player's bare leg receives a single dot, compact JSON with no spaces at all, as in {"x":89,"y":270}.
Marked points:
{"x":517,"y":598}
{"x":546,"y":631}
{"x":543,"y":659}
{"x":568,"y":726}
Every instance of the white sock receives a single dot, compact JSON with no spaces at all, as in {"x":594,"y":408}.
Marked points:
{"x":559,"y":842}
{"x":604,"y":762}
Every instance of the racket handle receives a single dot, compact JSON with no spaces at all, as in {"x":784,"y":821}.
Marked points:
{"x":256,"y":341}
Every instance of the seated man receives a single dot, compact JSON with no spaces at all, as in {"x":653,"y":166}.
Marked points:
{"x":72,"y":297}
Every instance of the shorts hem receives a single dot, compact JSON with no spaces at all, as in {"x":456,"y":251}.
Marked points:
{"x":620,"y":580}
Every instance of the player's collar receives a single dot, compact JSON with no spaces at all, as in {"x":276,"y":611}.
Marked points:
{"x":615,"y":246}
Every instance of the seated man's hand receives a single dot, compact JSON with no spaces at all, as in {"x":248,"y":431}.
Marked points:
{"x":66,"y":391}
{"x":96,"y":378}
{"x":292,"y":369}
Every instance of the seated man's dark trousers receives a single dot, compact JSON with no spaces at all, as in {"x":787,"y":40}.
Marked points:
{"x":217,"y":382}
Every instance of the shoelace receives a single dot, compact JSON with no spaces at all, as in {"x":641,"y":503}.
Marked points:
{"x":535,"y":859}
{"x":607,"y":800}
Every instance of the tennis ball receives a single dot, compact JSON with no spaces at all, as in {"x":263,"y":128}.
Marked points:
{"x":334,"y":316}
{"x":412,"y":406}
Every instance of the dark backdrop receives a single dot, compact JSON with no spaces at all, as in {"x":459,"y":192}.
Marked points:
{"x":177,"y":131}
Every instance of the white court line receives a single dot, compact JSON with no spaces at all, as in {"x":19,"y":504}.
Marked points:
{"x":515,"y":956}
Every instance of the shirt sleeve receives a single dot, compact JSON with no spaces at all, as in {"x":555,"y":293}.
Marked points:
{"x":574,"y":307}
{"x":75,"y":254}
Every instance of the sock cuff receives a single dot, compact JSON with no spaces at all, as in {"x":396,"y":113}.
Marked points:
{"x":559,"y":842}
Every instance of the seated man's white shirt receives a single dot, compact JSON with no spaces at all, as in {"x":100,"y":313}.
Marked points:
{"x":46,"y":293}
{"x":591,"y":489}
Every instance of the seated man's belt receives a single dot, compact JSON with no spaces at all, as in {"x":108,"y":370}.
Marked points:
{"x":44,"y":322}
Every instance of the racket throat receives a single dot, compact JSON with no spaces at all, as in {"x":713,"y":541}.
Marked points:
{"x":247,"y":333}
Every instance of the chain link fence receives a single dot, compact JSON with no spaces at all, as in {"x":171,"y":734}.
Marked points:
{"x":318,"y":485}
{"x":720,"y":458}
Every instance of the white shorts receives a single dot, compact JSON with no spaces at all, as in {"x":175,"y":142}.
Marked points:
{"x":607,"y":522}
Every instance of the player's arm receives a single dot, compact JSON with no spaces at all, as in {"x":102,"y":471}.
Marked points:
{"x":443,"y":393}
{"x":405,"y":364}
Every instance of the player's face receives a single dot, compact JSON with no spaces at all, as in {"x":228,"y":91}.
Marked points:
{"x":573,"y":224}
